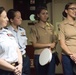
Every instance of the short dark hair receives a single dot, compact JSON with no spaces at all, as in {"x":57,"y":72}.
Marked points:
{"x":1,"y":9}
{"x":11,"y":13}
{"x":38,"y":10}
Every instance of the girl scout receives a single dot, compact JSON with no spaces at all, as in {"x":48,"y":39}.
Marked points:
{"x":10,"y":55}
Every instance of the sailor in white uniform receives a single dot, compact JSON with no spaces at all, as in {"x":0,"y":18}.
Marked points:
{"x":8,"y":46}
{"x":20,"y":35}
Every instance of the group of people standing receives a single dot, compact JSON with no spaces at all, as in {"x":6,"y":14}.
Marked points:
{"x":13,"y":57}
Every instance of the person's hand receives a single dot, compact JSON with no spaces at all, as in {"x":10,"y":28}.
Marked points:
{"x":18,"y":70}
{"x":73,"y":57}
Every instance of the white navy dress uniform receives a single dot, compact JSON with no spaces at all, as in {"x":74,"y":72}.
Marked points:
{"x":20,"y":37}
{"x":8,"y":46}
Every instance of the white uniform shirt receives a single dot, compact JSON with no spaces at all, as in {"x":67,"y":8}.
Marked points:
{"x":8,"y":46}
{"x":20,"y":37}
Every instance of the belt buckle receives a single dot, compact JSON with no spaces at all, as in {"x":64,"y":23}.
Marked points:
{"x":24,"y":55}
{"x":13,"y":64}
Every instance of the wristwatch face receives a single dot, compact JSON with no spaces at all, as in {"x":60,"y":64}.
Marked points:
{"x":32,"y":17}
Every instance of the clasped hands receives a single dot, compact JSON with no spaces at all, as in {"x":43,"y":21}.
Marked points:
{"x":18,"y":70}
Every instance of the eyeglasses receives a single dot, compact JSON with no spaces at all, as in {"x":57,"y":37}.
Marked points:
{"x":72,"y":8}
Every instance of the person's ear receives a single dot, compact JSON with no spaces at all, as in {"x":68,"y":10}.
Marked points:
{"x":11,"y":20}
{"x":38,"y":15}
{"x":66,"y":11}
